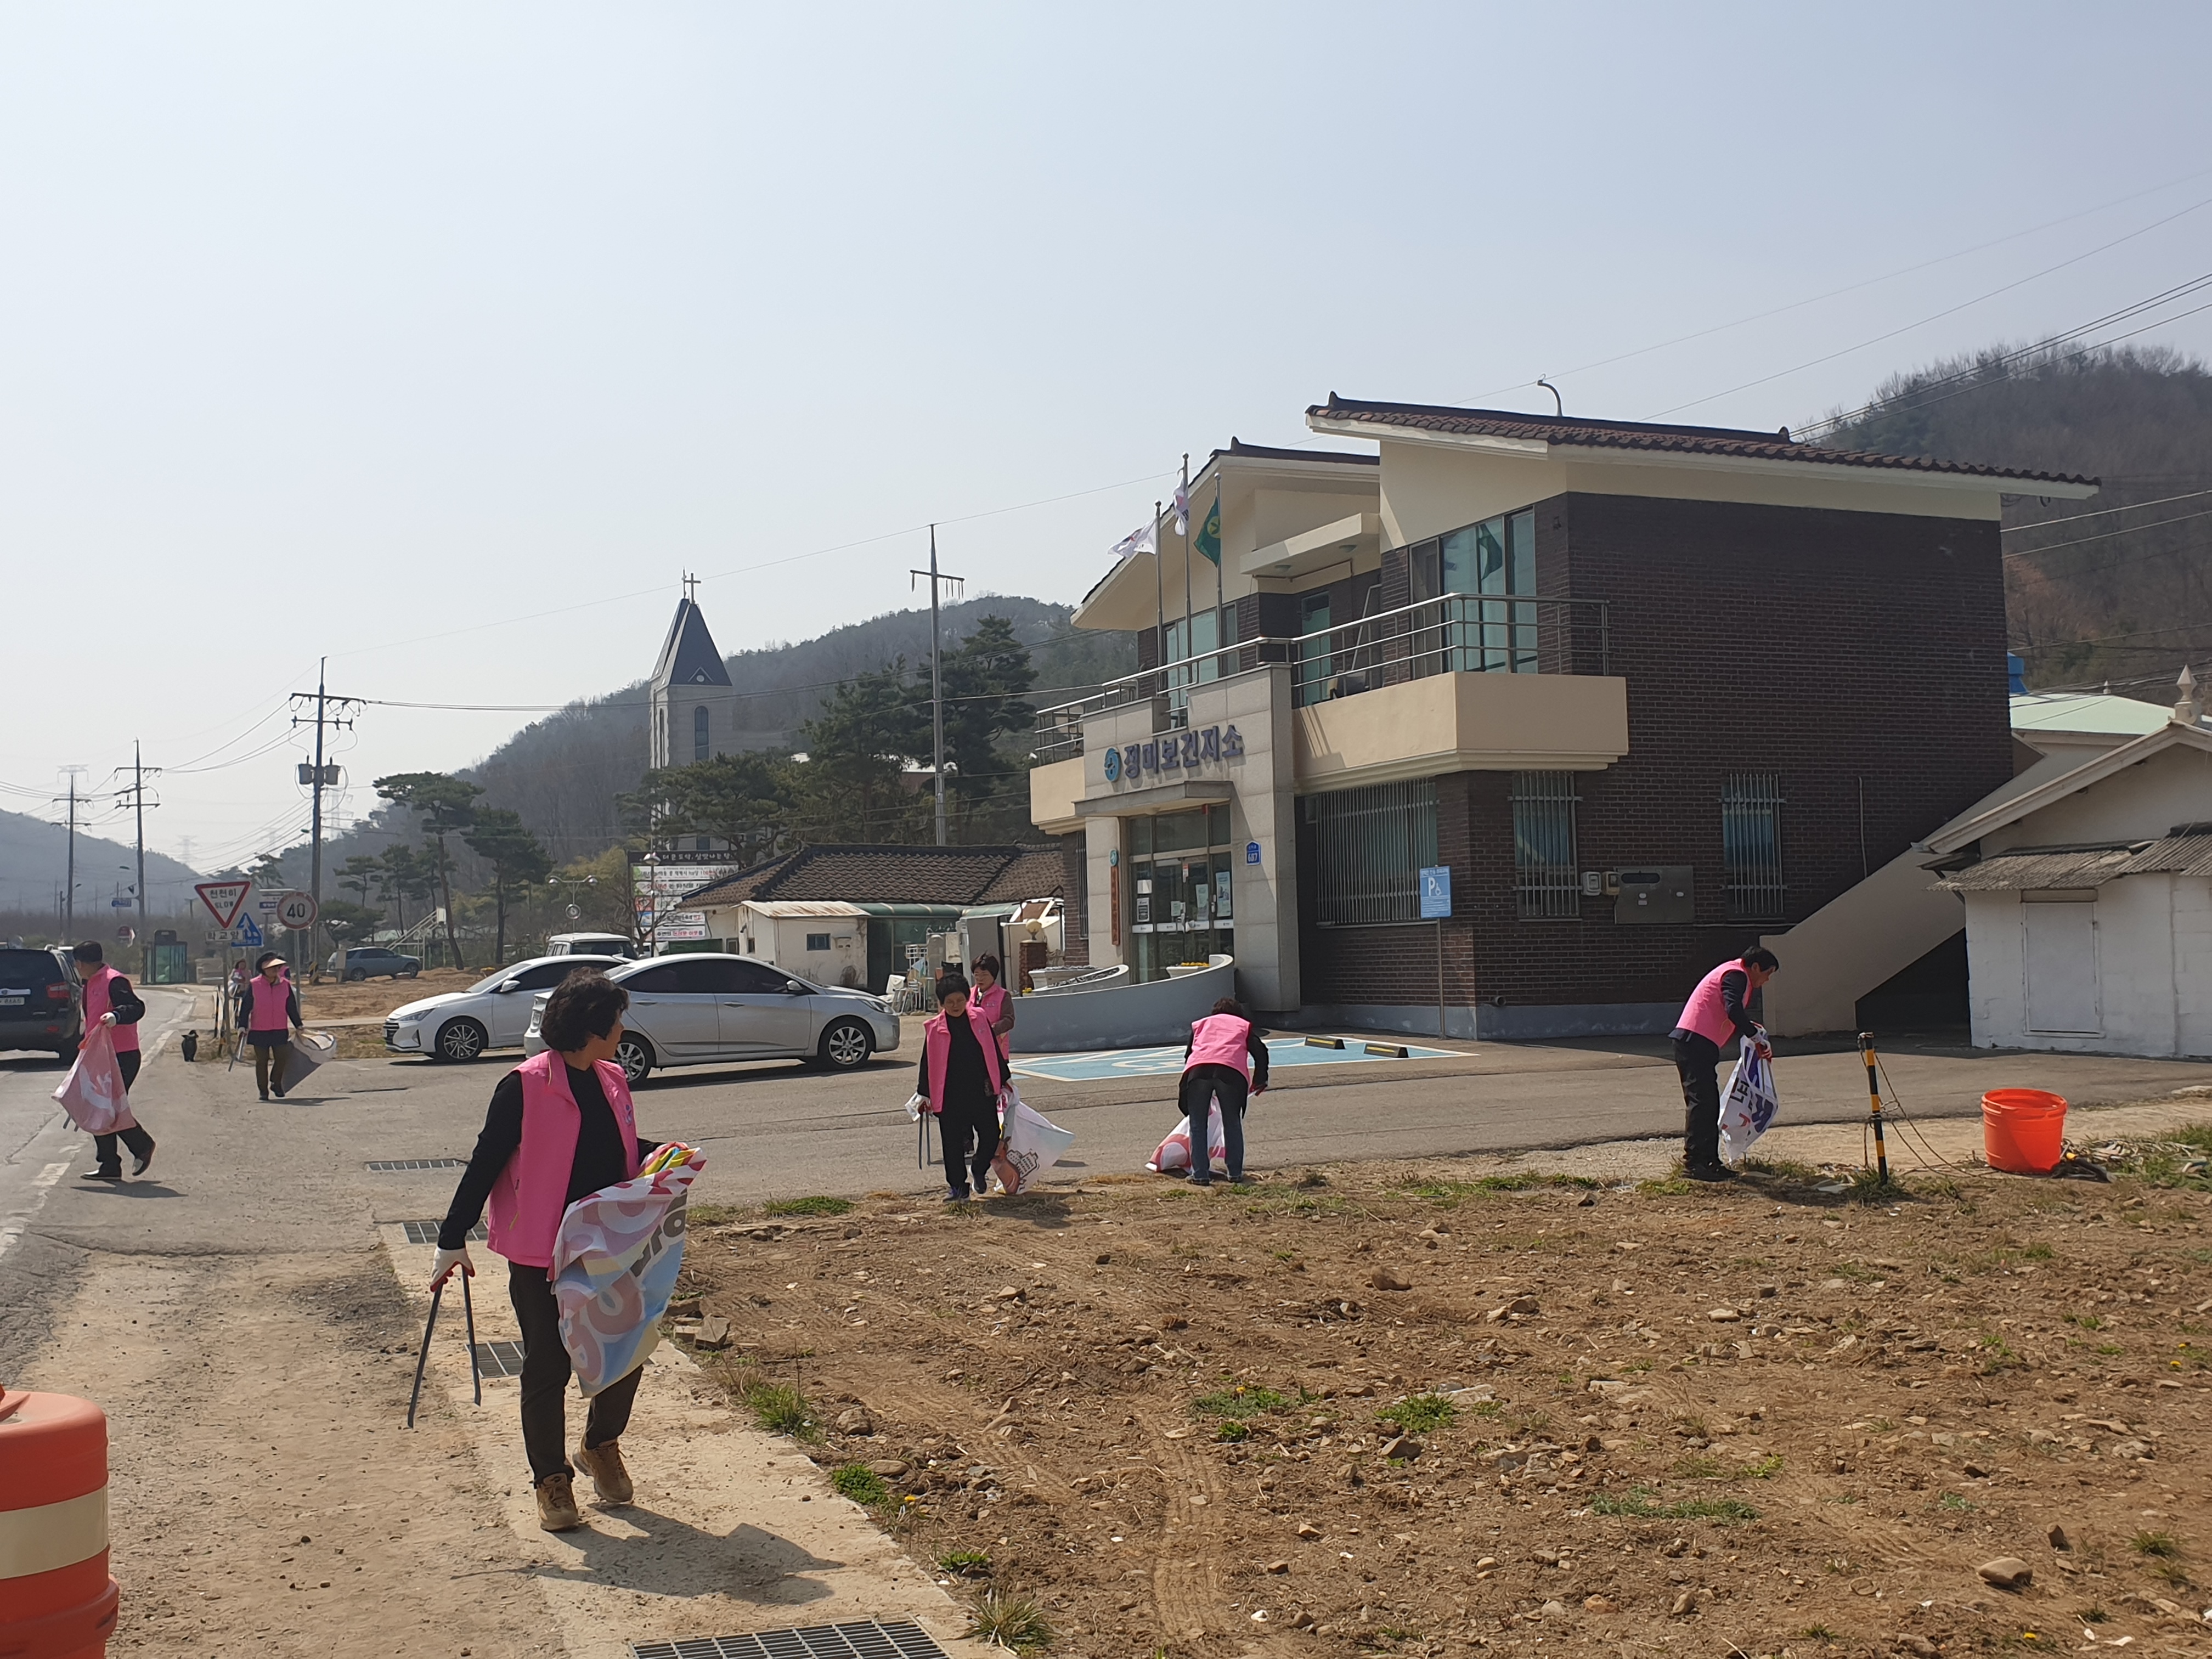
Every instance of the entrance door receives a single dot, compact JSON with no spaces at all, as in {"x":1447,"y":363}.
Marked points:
{"x":2061,"y":946}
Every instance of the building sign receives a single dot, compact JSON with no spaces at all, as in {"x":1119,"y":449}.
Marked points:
{"x":1436,"y":892}
{"x":1174,"y":751}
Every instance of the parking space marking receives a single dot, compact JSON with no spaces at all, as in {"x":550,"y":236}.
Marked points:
{"x":1099,"y":1065}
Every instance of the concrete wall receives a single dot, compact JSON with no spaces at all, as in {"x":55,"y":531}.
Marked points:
{"x":1123,"y":1016}
{"x":1053,"y":791}
{"x":2172,"y":787}
{"x":2154,"y":962}
{"x":1854,"y":943}
{"x":1459,"y":722}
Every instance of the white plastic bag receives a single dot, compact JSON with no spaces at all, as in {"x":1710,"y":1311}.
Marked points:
{"x":1173,"y":1153}
{"x":309,"y":1050}
{"x":916,"y":1104}
{"x":1028,"y":1145}
{"x":1748,"y":1104}
{"x":93,"y":1093}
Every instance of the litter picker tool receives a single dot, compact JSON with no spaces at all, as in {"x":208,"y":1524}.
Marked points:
{"x":468,"y":1308}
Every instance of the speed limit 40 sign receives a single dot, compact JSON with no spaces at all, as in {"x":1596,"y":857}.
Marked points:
{"x":296,"y":910}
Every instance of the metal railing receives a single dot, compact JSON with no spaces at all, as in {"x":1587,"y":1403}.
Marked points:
{"x":1457,"y":633}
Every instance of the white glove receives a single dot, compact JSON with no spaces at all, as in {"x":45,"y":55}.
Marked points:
{"x":107,"y":1019}
{"x":442,"y":1268}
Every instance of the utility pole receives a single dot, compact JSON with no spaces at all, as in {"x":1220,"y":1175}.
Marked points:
{"x":936,"y":672}
{"x":68,"y":890}
{"x":138,"y":803}
{"x":321,"y":777}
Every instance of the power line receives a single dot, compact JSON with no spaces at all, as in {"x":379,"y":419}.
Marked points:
{"x":2106,"y":535}
{"x":2102,"y":512}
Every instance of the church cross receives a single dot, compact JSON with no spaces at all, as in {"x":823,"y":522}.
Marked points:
{"x":690,"y":587}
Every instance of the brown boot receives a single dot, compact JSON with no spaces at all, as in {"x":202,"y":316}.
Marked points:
{"x":605,"y":1465}
{"x":556,"y":1504}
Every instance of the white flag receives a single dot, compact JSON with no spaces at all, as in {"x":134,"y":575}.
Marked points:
{"x":1182,"y":510}
{"x":1144,"y":539}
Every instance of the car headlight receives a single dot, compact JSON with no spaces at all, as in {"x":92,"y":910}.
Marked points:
{"x":419,"y":1014}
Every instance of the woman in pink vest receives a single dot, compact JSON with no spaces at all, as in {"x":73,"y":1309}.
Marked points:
{"x":1225,"y":1059}
{"x":271,"y":1014}
{"x":560,"y":1129}
{"x":961,"y":1074}
{"x":110,"y":1001}
{"x":991,"y":1000}
{"x":1717,"y":1012}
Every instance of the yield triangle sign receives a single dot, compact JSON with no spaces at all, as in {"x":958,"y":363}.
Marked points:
{"x":224,"y":899}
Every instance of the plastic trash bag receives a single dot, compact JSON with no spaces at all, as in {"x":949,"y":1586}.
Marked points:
{"x":916,"y":1104}
{"x":309,"y":1050}
{"x":615,"y":1263}
{"x":1173,"y":1153}
{"x":1748,"y":1103}
{"x":1028,"y":1145}
{"x":93,"y":1093}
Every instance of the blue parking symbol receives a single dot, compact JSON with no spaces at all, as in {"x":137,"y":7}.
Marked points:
{"x":1435,"y":891}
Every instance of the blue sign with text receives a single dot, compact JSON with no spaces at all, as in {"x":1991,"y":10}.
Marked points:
{"x":1436,"y":892}
{"x":1174,"y":751}
{"x":1251,"y":851}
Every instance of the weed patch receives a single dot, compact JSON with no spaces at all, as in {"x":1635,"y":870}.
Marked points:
{"x":1420,"y":1413}
{"x":862,"y":1485}
{"x":807,"y":1206}
{"x":1012,"y":1621}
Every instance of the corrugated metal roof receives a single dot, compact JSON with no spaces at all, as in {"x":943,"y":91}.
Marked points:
{"x":2186,"y":852}
{"x":806,"y":908}
{"x":2042,"y":869}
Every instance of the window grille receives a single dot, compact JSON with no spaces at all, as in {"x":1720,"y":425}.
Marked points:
{"x":1751,"y":845}
{"x":1368,"y":846}
{"x":1548,"y":886}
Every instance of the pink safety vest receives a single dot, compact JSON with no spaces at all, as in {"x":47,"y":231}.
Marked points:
{"x":937,"y":1044}
{"x":1704,"y":1012}
{"x":267,"y":1003}
{"x":1221,"y":1039}
{"x":97,"y":1002}
{"x":531,"y":1193}
{"x":991,"y":1004}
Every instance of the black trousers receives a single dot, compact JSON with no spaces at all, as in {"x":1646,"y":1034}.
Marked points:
{"x":960,"y":1126}
{"x":1698,"y":1059}
{"x":139,"y":1142}
{"x":1201,"y":1086}
{"x":546,"y":1373}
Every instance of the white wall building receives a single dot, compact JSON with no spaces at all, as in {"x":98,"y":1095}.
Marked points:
{"x":824,"y":941}
{"x":2088,"y":900}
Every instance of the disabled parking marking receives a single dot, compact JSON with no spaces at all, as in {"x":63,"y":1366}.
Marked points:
{"x":1099,"y":1065}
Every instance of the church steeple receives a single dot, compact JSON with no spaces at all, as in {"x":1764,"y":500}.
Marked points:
{"x":690,"y":721}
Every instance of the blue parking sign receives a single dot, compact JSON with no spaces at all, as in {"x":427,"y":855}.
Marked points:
{"x":1435,"y":891}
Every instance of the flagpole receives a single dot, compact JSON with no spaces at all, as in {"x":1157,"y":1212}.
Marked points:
{"x":1189,"y":645}
{"x":1220,"y":635}
{"x":1159,"y":595}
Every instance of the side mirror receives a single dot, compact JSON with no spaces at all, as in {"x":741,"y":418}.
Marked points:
{"x":511,"y":985}
{"x":792,"y":987}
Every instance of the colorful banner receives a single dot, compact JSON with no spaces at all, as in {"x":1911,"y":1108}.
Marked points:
{"x":615,"y":1263}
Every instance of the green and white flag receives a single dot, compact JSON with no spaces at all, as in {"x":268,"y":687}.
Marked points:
{"x":1208,"y":541}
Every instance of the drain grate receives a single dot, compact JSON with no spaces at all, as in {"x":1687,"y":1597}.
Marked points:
{"x":866,"y":1640}
{"x":499,"y":1358}
{"x":389,"y":1165}
{"x":426,"y":1232}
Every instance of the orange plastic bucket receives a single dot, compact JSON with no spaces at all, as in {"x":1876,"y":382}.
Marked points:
{"x":2023,"y":1130}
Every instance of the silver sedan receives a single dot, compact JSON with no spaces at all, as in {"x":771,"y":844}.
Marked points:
{"x":698,"y":1009}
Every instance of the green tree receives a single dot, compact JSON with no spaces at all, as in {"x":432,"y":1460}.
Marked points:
{"x":743,"y":799}
{"x":852,"y":787}
{"x":445,"y":805}
{"x":350,"y":924}
{"x":361,"y":872}
{"x":985,"y":680}
{"x":518,"y":861}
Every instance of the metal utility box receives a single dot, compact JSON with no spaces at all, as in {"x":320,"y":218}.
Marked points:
{"x":1656,"y":893}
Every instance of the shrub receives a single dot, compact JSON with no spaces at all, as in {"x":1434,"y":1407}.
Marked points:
{"x":1011,"y":1621}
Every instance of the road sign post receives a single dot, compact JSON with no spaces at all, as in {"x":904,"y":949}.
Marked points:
{"x":1436,"y":906}
{"x":297,"y":911}
{"x":223,"y":899}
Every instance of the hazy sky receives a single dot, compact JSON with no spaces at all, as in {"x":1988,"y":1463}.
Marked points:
{"x":442,"y":338}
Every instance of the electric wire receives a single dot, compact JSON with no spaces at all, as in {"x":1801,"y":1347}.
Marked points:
{"x":2103,"y":512}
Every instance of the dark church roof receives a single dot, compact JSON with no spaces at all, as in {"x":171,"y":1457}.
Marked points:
{"x":689,"y":656}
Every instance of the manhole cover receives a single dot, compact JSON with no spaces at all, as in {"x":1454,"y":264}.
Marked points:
{"x":389,"y":1165}
{"x":499,"y":1358}
{"x":426,"y":1232}
{"x":866,"y":1640}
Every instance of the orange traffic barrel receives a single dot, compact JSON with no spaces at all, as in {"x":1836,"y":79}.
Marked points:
{"x":2023,"y":1130}
{"x":56,"y":1601}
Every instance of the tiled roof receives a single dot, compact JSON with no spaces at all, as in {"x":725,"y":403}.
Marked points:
{"x":1041,"y":873}
{"x":886,"y":875}
{"x":1638,"y":435}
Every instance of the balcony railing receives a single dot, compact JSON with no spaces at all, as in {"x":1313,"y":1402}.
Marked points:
{"x":1458,"y":633}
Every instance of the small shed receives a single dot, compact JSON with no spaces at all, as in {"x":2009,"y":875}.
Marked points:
{"x":824,"y":940}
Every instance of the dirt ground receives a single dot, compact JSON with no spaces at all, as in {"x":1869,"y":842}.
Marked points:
{"x":373,"y":999}
{"x":1757,"y":1420}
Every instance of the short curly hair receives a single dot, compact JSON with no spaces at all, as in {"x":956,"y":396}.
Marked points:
{"x":584,"y":1005}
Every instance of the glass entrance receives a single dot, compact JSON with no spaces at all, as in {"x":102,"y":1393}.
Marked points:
{"x":1182,"y":908}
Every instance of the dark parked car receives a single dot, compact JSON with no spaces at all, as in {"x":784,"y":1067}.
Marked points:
{"x":373,"y":962}
{"x":42,"y":1001}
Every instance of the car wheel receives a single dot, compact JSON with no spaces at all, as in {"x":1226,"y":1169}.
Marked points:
{"x":357,"y":974}
{"x":635,"y":1055}
{"x":847,"y":1044}
{"x":412,"y":973}
{"x":460,"y":1039}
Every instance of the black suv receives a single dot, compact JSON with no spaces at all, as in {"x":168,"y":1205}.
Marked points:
{"x":42,"y":1001}
{"x":374,"y":962}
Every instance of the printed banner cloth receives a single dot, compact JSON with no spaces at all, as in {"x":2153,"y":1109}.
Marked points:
{"x":1029,"y":1144}
{"x":615,"y":1263}
{"x":93,"y":1093}
{"x":1173,"y":1153}
{"x":1749,"y":1105}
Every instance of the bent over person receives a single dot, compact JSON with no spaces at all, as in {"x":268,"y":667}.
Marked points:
{"x":110,"y":1001}
{"x":561,"y":1128}
{"x":1718,"y":1011}
{"x":1225,"y":1060}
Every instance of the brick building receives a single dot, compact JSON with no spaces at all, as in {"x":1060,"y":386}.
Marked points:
{"x":1649,"y":693}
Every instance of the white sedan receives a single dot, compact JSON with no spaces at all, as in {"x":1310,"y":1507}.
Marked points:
{"x":493,"y":1013}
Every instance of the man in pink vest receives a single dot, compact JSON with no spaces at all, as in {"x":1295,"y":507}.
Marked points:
{"x":1718,"y":1011}
{"x":960,"y":1077}
{"x":1225,"y":1060}
{"x":110,"y":1001}
{"x":561,"y":1126}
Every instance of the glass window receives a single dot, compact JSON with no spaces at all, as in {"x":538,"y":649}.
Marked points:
{"x":1546,"y":884}
{"x":1750,"y":845}
{"x":1174,"y":831}
{"x":1493,"y":560}
{"x":1368,"y":846}
{"x":818,"y":941}
{"x":659,"y":980}
{"x":1310,"y":672}
{"x":699,"y":733}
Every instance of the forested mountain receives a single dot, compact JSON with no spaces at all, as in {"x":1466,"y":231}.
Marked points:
{"x":35,"y":856}
{"x":2095,"y":598}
